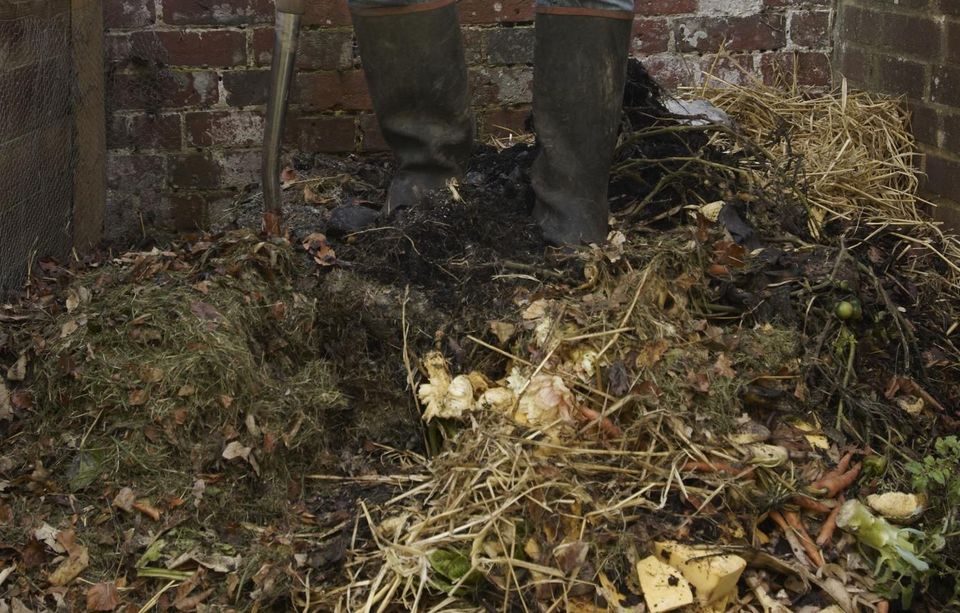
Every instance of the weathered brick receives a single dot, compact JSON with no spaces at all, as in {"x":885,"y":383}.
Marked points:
{"x":945,"y":85}
{"x":154,"y":90}
{"x":952,"y":39}
{"x":947,"y":7}
{"x":896,"y":75}
{"x":319,"y":49}
{"x":188,"y":211}
{"x":671,"y":70}
{"x":948,"y":137}
{"x":224,"y":128}
{"x":650,"y":36}
{"x":810,"y":29}
{"x":947,"y":212}
{"x":321,"y":134}
{"x":327,"y":13}
{"x":501,"y":11}
{"x":502,"y":85}
{"x":194,"y":171}
{"x":753,"y":33}
{"x":664,"y":7}
{"x":856,"y":64}
{"x":222,"y":12}
{"x":135,"y":172}
{"x":801,"y":68}
{"x":510,"y":45}
{"x":918,"y":35}
{"x":145,"y":131}
{"x":475,"y":45}
{"x":238,"y":168}
{"x":369,"y":135}
{"x":943,"y":175}
{"x":725,"y":70}
{"x":776,"y":4}
{"x":128,"y":13}
{"x":246,"y":87}
{"x":193,"y":48}
{"x":925,"y":123}
{"x":320,"y":91}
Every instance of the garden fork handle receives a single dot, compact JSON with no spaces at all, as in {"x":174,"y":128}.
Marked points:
{"x":287,"y":33}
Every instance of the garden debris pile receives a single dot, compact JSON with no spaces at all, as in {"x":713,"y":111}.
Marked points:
{"x":745,"y":400}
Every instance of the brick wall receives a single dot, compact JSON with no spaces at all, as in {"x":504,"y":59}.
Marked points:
{"x":36,"y":179}
{"x":912,"y":48}
{"x":187,"y":80}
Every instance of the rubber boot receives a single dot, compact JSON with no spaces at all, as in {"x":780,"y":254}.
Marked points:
{"x":417,"y":76}
{"x":580,"y":65}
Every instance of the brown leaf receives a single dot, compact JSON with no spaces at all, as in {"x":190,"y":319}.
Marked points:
{"x":137,"y":397}
{"x":68,"y":328}
{"x":6,"y":515}
{"x":125,"y":499}
{"x":147,"y":509}
{"x":287,"y":177}
{"x":70,"y":569}
{"x":103,"y":597}
{"x":21,"y":399}
{"x":204,"y":311}
{"x":226,"y":400}
{"x":18,"y":372}
{"x":33,"y":554}
{"x":724,"y":366}
{"x":311,"y":196}
{"x":698,"y":381}
{"x":151,"y":374}
{"x":571,"y":556}
{"x":186,"y":390}
{"x":502,"y":330}
{"x":652,"y":353}
{"x":190,"y":603}
{"x":6,"y":407}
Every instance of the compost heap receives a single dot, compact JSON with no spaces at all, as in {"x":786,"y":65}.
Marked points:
{"x":441,"y":414}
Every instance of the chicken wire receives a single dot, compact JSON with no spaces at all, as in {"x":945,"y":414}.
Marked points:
{"x":38,"y":96}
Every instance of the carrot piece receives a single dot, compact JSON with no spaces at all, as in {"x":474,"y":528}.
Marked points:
{"x":716,"y":467}
{"x":836,"y":483}
{"x":605,"y":424}
{"x":809,"y":504}
{"x":829,"y":525}
{"x":883,"y":606}
{"x":794,"y":521}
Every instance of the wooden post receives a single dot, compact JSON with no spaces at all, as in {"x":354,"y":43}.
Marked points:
{"x":90,"y":144}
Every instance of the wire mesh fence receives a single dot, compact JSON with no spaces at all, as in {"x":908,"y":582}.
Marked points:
{"x":39,"y":95}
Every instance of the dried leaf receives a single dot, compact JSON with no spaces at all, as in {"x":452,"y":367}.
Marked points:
{"x":47,"y":535}
{"x":6,"y":515}
{"x":151,"y":374}
{"x":186,"y":390}
{"x":236,"y":450}
{"x":724,"y":366}
{"x":76,"y":562}
{"x":503,"y":331}
{"x":137,"y":397}
{"x":226,"y":400}
{"x":103,"y":597}
{"x":571,"y":556}
{"x":652,"y":353}
{"x":33,"y":554}
{"x":191,"y":602}
{"x":6,"y":407}
{"x":125,"y":499}
{"x":18,"y":372}
{"x":204,"y":311}
{"x":288,"y":177}
{"x":147,"y":509}
{"x":68,"y":328}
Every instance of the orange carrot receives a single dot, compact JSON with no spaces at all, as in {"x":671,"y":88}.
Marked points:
{"x":832,"y":485}
{"x":829,"y":525}
{"x":717,"y":467}
{"x":794,"y":521}
{"x":809,"y":504}
{"x":605,"y":424}
{"x":882,"y":606}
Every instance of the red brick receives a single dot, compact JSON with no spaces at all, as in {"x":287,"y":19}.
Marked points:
{"x":128,"y":13}
{"x":650,"y":36}
{"x":144,"y":131}
{"x":727,"y":70}
{"x":204,"y":12}
{"x":503,"y":123}
{"x":753,"y":33}
{"x":321,"y":91}
{"x":194,"y":171}
{"x":664,"y":7}
{"x":795,"y":3}
{"x":193,"y":48}
{"x":670,"y":70}
{"x":322,"y":134}
{"x":370,"y":136}
{"x":319,"y":49}
{"x":810,"y":29}
{"x":246,"y":87}
{"x":224,"y":128}
{"x":327,"y":13}
{"x":919,"y":35}
{"x":809,"y":69}
{"x":500,"y":11}
{"x":165,"y":89}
